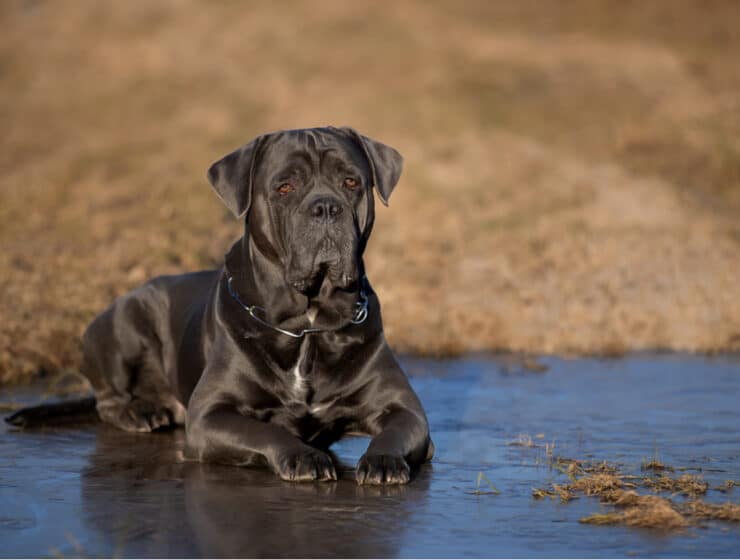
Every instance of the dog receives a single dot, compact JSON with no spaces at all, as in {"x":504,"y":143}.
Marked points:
{"x":270,"y":359}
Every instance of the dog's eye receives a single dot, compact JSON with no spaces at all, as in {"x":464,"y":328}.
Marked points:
{"x":285,"y":188}
{"x":350,"y":183}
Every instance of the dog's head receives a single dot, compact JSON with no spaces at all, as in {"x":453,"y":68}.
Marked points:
{"x":308,"y":200}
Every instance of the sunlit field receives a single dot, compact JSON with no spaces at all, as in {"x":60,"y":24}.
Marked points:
{"x":571,"y":185}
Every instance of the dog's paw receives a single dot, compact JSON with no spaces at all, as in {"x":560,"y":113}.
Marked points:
{"x":138,"y":416}
{"x":305,"y":465}
{"x":382,"y":469}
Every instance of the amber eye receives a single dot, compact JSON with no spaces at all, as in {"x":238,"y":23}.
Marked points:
{"x":285,"y":188}
{"x":350,"y":183}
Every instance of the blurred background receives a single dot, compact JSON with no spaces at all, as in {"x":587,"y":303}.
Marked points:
{"x":572,"y":177}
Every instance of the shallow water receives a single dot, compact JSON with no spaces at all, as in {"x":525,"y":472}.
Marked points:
{"x":92,"y":490}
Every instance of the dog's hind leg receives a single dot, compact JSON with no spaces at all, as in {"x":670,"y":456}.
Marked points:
{"x":122,"y":358}
{"x":145,"y":405}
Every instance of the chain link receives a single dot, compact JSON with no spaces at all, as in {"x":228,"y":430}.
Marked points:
{"x":358,"y":317}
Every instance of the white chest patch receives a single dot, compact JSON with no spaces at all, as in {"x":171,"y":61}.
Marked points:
{"x":311,"y":314}
{"x":299,"y":383}
{"x":321,"y":406}
{"x":299,"y":380}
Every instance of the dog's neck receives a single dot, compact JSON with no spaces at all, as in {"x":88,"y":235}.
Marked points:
{"x":259,"y":279}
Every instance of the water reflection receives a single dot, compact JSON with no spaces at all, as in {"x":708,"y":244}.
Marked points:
{"x":139,"y":494}
{"x":129,"y":495}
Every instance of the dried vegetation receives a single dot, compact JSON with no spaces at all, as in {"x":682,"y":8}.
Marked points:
{"x":572,"y":179}
{"x":614,"y":488}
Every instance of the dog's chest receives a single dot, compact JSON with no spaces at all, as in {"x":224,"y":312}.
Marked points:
{"x":312,"y":406}
{"x":301,"y":381}
{"x":299,"y":386}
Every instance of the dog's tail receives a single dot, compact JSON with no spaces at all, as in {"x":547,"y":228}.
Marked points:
{"x":54,"y":414}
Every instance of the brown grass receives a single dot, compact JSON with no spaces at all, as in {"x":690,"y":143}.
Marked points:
{"x":687,"y":485}
{"x":598,"y":485}
{"x":572,"y":180}
{"x":615,"y":488}
{"x":641,"y":511}
{"x":723,"y":512}
{"x":655,"y":464}
{"x":661,"y":513}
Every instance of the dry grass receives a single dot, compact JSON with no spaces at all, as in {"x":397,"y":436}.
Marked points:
{"x":687,"y":485}
{"x":641,"y":511}
{"x":655,"y":464}
{"x":598,"y":485}
{"x":617,"y":489}
{"x":661,"y":513}
{"x":723,"y":512}
{"x":572,"y":179}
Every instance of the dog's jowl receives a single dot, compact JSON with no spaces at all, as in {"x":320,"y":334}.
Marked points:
{"x":279,"y":353}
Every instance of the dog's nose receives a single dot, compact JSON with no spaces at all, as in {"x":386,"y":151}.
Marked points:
{"x":325,"y":209}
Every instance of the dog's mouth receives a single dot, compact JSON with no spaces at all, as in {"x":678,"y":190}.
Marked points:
{"x":323,"y":280}
{"x":331,"y":295}
{"x":327,"y":272}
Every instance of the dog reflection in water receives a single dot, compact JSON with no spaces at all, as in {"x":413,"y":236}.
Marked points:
{"x":174,"y":507}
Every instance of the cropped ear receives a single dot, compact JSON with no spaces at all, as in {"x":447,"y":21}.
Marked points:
{"x":232,"y":176}
{"x":386,"y":164}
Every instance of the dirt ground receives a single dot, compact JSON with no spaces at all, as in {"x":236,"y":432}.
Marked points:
{"x":572,"y":179}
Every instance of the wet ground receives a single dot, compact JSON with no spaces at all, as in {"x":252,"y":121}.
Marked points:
{"x":91,"y":490}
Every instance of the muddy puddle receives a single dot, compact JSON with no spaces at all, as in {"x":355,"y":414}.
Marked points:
{"x":90,"y":490}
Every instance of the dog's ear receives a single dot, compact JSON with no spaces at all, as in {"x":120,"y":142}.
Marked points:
{"x":386,"y":164}
{"x":232,"y":176}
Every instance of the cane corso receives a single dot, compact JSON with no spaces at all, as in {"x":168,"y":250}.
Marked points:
{"x":279,"y":353}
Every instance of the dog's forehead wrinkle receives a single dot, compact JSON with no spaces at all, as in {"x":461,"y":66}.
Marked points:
{"x":301,"y":158}
{"x":315,"y":152}
{"x":333,"y":162}
{"x":309,"y":139}
{"x":295,"y":164}
{"x":319,"y":138}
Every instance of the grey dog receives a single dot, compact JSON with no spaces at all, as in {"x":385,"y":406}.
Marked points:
{"x":278,"y":354}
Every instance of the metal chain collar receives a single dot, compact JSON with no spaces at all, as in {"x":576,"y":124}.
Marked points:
{"x":358,"y":317}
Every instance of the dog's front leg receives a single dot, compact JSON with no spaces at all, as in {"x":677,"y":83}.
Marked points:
{"x":220,"y":433}
{"x":220,"y":429}
{"x":403,"y":441}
